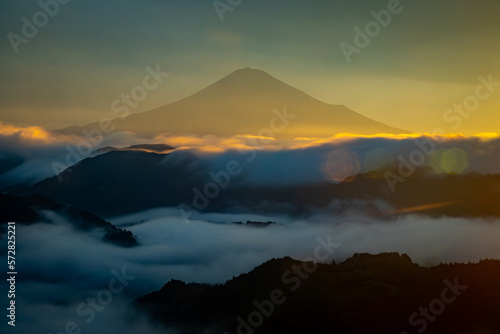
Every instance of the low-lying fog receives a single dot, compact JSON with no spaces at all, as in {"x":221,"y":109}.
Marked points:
{"x":61,"y":269}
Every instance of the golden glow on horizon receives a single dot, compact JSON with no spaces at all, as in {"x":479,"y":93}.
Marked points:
{"x":34,"y":134}
{"x":251,"y":142}
{"x":307,"y":142}
{"x":215,"y":144}
{"x":486,"y":135}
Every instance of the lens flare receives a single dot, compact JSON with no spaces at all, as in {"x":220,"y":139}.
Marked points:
{"x":340,"y":164}
{"x":451,"y":161}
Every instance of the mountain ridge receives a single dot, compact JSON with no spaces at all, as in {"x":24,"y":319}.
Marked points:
{"x":121,"y":182}
{"x":364,"y":294}
{"x":30,"y":210}
{"x":242,"y":103}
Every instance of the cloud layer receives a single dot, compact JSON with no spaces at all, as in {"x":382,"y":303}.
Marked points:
{"x":264,"y":160}
{"x":61,"y":267}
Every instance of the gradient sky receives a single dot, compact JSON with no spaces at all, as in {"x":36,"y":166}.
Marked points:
{"x":426,"y":60}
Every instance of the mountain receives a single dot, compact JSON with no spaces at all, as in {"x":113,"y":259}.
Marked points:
{"x":243,"y":103}
{"x":35,"y":209}
{"x":120,"y":182}
{"x":364,"y":294}
{"x":8,"y":161}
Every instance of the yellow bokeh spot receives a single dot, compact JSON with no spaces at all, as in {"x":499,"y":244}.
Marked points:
{"x":451,"y":161}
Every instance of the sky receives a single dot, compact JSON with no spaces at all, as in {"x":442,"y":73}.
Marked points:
{"x":427,"y":58}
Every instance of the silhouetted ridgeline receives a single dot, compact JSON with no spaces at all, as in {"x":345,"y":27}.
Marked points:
{"x":256,"y":224}
{"x":121,"y":182}
{"x":364,"y":294}
{"x":30,"y":210}
{"x":242,"y":102}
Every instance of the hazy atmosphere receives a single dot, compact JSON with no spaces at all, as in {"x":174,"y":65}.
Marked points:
{"x":236,"y":166}
{"x":426,"y":60}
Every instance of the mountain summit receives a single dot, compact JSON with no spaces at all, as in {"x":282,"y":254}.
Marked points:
{"x":243,"y":103}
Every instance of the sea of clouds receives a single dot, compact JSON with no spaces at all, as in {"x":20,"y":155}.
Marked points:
{"x":61,"y":267}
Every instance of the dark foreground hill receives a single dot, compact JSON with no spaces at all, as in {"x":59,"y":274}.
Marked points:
{"x":384,"y":293}
{"x":34,"y":209}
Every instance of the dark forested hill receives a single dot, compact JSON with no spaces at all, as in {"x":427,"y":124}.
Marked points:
{"x":32,"y":210}
{"x":120,"y":182}
{"x":384,"y":293}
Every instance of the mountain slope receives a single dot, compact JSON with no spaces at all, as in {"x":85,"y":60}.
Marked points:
{"x":125,"y":181}
{"x":364,"y":294}
{"x":121,"y":182}
{"x":34,"y":209}
{"x":243,"y":103}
